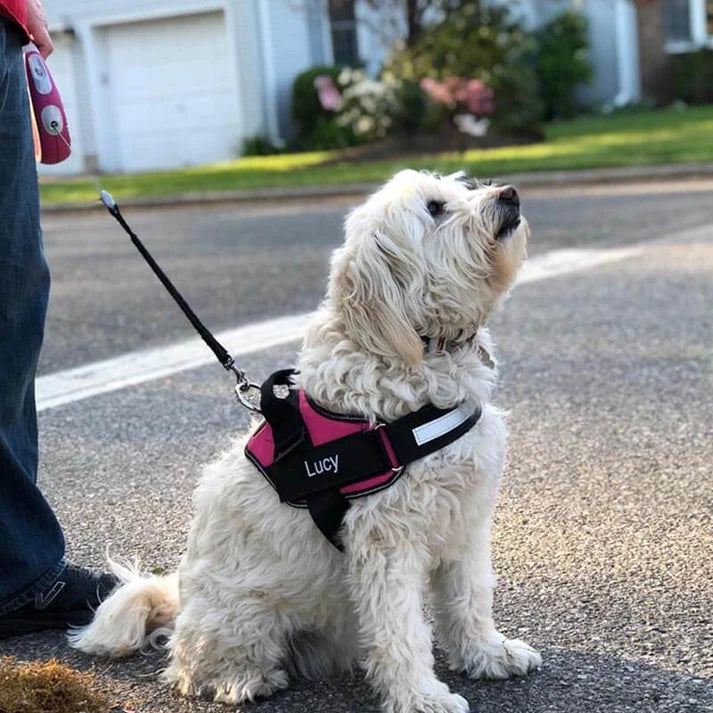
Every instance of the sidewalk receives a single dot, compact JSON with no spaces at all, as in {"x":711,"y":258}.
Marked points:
{"x":534,"y":179}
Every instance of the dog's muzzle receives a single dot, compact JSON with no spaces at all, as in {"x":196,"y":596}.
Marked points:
{"x":508,"y":211}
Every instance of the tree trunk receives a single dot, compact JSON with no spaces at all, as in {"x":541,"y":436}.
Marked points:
{"x":413,"y":22}
{"x":653,"y":59}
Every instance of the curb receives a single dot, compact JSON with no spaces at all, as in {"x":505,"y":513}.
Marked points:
{"x":533,"y":179}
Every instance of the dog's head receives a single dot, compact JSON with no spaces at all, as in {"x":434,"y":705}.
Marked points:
{"x":426,"y":256}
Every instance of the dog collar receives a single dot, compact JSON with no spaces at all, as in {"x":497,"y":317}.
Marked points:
{"x":441,"y":345}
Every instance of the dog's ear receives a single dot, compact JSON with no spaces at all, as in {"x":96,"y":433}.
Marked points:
{"x":366,"y":289}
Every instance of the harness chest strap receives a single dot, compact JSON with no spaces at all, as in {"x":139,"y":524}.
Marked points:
{"x":320,"y":460}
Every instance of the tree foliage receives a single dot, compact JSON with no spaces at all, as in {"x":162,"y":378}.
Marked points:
{"x":474,"y":39}
{"x":562,"y":62}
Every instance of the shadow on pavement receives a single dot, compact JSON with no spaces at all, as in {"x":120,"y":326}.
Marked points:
{"x":569,"y":682}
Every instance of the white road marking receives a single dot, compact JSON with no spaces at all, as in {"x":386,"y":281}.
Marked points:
{"x":101,"y":377}
{"x":559,"y":262}
{"x":137,"y":367}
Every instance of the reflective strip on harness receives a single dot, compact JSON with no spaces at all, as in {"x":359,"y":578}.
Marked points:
{"x":440,"y":426}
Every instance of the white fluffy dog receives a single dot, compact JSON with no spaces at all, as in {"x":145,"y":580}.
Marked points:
{"x":260,"y":592}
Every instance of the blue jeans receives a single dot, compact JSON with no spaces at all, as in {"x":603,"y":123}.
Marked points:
{"x":31,"y":541}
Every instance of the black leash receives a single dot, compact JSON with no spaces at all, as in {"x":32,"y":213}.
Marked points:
{"x":243,"y":385}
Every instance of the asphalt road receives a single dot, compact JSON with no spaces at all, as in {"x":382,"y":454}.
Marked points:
{"x":603,"y":541}
{"x":246,"y":264}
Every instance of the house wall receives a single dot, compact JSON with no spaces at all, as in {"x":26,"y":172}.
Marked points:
{"x":263,"y":44}
{"x":604,"y":53}
{"x":377,"y":31}
{"x":295,"y":41}
{"x":602,"y":18}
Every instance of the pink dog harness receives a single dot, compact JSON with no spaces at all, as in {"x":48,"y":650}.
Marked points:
{"x":320,"y":460}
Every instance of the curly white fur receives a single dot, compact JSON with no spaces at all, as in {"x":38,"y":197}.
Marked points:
{"x":262,"y":593}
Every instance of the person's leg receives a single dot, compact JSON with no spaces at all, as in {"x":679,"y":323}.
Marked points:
{"x":31,"y":542}
{"x":37,"y":590}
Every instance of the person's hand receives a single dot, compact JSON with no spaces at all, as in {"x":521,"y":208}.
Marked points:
{"x":37,"y":25}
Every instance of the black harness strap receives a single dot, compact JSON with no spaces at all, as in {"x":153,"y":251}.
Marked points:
{"x":327,"y":510}
{"x":298,"y":473}
{"x":410,"y":437}
{"x":283,"y":414}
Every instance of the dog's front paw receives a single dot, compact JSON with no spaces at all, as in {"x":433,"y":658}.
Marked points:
{"x":498,"y":658}
{"x":250,"y":686}
{"x":449,"y":703}
{"x":232,"y":687}
{"x":435,"y":698}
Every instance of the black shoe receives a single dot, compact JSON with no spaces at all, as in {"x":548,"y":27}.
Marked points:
{"x":70,"y":601}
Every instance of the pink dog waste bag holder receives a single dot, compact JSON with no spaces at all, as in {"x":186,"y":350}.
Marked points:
{"x":49,"y":117}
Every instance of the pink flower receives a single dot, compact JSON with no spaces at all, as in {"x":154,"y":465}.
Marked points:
{"x":472,"y":95}
{"x":479,"y":99}
{"x":438,"y":91}
{"x":329,"y":96}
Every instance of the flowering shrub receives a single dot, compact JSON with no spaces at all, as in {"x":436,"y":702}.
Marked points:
{"x":467,"y":95}
{"x":368,"y":105}
{"x":328,"y":94}
{"x":314,"y":106}
{"x":484,"y":41}
{"x":338,"y":107}
{"x":468,"y":101}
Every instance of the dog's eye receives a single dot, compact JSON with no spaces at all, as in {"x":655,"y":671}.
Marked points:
{"x":435,"y":208}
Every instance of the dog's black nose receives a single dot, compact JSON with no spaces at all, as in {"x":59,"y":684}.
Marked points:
{"x":509,"y":196}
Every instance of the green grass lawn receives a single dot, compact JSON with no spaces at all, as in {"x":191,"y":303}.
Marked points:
{"x":623,"y":139}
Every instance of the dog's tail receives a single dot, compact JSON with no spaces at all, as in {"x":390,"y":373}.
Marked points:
{"x":141,"y":610}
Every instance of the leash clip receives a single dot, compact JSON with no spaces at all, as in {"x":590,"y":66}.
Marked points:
{"x":243,"y":386}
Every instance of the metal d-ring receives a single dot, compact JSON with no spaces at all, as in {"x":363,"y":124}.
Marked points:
{"x":243,"y":386}
{"x":241,"y":390}
{"x":396,"y":470}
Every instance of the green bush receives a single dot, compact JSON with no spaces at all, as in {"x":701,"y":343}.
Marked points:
{"x":316,"y":126}
{"x":562,"y":63}
{"x":259,"y":145}
{"x":692,"y":76}
{"x":415,"y":111}
{"x":328,"y":135}
{"x":411,"y":107}
{"x":480,"y":41}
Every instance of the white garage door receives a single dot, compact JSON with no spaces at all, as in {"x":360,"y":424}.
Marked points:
{"x":173,"y":92}
{"x":62,"y":66}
